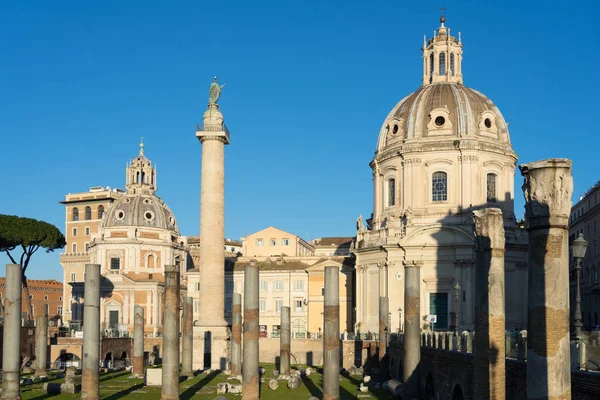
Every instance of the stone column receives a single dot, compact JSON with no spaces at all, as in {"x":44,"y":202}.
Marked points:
{"x":236,"y":333}
{"x":170,"y":365}
{"x":214,"y":136}
{"x":412,"y":329}
{"x":285,"y":341}
{"x":186,"y":348}
{"x":383,"y":327}
{"x":547,"y":188}
{"x":138,"y":341}
{"x":91,"y":333}
{"x":250,"y":378}
{"x":490,"y":374}
{"x":331,"y":335}
{"x":41,"y":345}
{"x":11,"y":347}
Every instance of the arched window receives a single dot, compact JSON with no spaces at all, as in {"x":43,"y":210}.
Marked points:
{"x":431,"y":63}
{"x":442,"y":63}
{"x":391,"y":192}
{"x":75,"y":214}
{"x":88,"y":213}
{"x":100,"y":212}
{"x":491,"y":188}
{"x":150,"y":261}
{"x":452,"y":63}
{"x":439,"y":186}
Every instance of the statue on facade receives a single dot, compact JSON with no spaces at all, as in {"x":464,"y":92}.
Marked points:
{"x":214,"y":92}
{"x":359,"y":224}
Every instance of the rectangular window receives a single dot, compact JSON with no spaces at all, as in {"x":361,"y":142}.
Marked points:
{"x":391,"y":193}
{"x":74,"y":247}
{"x":196,"y":305}
{"x":87,"y":231}
{"x":197,"y":286}
{"x":73,"y":277}
{"x":272,"y":242}
{"x":115,"y":263}
{"x":59,"y":310}
{"x":278,"y":305}
{"x":260,"y":243}
{"x":322,"y":291}
{"x":298,"y":305}
{"x":285,"y":242}
{"x":278,"y":286}
{"x":87,"y":247}
{"x":74,"y":231}
{"x":47,"y":307}
{"x":438,"y":306}
{"x":298,"y":285}
{"x":262,"y":305}
{"x":263,"y":286}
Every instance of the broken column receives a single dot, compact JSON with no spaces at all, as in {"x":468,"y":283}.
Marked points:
{"x":138,"y":341}
{"x":331,"y":335}
{"x":186,"y":346}
{"x":250,"y":378}
{"x":236,"y":333}
{"x":285,"y":341}
{"x":170,"y":362}
{"x":489,"y":373}
{"x":383,"y":329}
{"x":412,"y":329}
{"x":41,"y":345}
{"x":11,"y":347}
{"x":547,"y":188}
{"x":91,"y":333}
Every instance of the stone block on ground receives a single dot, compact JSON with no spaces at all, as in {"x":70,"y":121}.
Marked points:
{"x":294,"y":382}
{"x":153,"y":377}
{"x":273,"y":384}
{"x":232,"y":388}
{"x":222,"y":387}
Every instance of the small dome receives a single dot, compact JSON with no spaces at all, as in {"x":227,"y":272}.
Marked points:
{"x":443,"y":109}
{"x":140,"y":210}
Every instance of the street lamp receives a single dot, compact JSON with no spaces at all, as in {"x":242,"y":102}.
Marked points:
{"x":579,"y":248}
{"x":456,"y":300}
{"x":399,"y":319}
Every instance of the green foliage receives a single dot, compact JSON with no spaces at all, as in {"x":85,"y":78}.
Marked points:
{"x":30,"y":234}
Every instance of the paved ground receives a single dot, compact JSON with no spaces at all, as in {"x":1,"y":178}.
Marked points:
{"x":118,"y":385}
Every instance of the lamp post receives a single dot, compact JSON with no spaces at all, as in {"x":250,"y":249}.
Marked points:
{"x":456,"y":300}
{"x":579,"y":248}
{"x":399,"y":319}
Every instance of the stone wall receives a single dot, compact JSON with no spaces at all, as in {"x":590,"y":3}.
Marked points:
{"x":27,"y":342}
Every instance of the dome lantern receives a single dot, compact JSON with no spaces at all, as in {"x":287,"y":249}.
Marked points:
{"x":442,"y":57}
{"x":140,"y":175}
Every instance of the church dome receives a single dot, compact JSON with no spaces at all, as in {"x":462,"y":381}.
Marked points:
{"x":444,"y":109}
{"x":140,"y":210}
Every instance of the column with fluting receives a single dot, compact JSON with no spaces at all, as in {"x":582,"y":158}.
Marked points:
{"x":11,"y":346}
{"x":236,"y":335}
{"x":91,"y":333}
{"x":490,"y":318}
{"x":186,"y":337}
{"x":170,"y":363}
{"x":285,"y":342}
{"x":548,"y":188}
{"x":250,"y":378}
{"x":331,"y":335}
{"x":412,"y":329}
{"x":138,"y":341}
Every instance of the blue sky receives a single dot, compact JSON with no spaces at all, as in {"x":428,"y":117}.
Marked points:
{"x":308,"y":87}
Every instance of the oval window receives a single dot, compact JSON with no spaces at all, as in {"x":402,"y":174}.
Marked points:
{"x":487,"y":123}
{"x":148,"y":215}
{"x":440,"y":121}
{"x":395,"y":129}
{"x":120,"y":215}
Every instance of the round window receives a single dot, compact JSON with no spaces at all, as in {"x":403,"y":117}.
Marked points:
{"x":440,"y":121}
{"x":148,"y":215}
{"x":120,"y":215}
{"x":171,"y":221}
{"x":395,"y":129}
{"x":487,"y":123}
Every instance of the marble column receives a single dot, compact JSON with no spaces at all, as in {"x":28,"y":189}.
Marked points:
{"x":490,"y":321}
{"x":41,"y":345}
{"x":91,"y":333}
{"x":138,"y":342}
{"x":213,"y":326}
{"x":170,"y":365}
{"x":331,"y":335}
{"x":285,"y":342}
{"x":187,"y":340}
{"x":236,"y":333}
{"x":412,"y":329}
{"x":548,"y":188}
{"x":250,"y":378}
{"x":11,"y":346}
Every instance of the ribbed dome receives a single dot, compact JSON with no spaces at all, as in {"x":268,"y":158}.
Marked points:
{"x":140,"y":210}
{"x":442,"y":109}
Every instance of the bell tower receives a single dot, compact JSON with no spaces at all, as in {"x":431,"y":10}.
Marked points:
{"x":140,"y":174}
{"x":442,"y":56}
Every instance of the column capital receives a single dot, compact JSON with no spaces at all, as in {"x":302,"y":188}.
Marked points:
{"x":547,"y":188}
{"x":413,"y":263}
{"x":489,"y":229}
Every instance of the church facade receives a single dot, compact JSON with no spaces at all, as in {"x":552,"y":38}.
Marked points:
{"x":442,"y":152}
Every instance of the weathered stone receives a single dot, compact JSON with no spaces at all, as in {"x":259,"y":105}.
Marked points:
{"x":11,"y":356}
{"x":235,"y":388}
{"x":187,"y":337}
{"x":273,"y":384}
{"x":412,"y":328}
{"x":236,"y":335}
{"x":91,"y":333}
{"x":294,"y":382}
{"x":308,"y":371}
{"x":222,"y":387}
{"x":250,"y":369}
{"x":170,"y":365}
{"x":367,"y":379}
{"x":153,"y":377}
{"x":138,"y":341}
{"x":331,"y":335}
{"x":363,"y":388}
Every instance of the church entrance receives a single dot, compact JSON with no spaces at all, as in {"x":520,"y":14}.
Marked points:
{"x":438,"y":305}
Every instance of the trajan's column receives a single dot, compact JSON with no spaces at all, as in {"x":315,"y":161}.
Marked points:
{"x":210,"y":332}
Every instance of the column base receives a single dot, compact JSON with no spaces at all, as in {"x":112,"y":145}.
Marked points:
{"x":211,"y":348}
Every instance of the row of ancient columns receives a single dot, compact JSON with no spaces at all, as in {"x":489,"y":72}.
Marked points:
{"x":547,"y":188}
